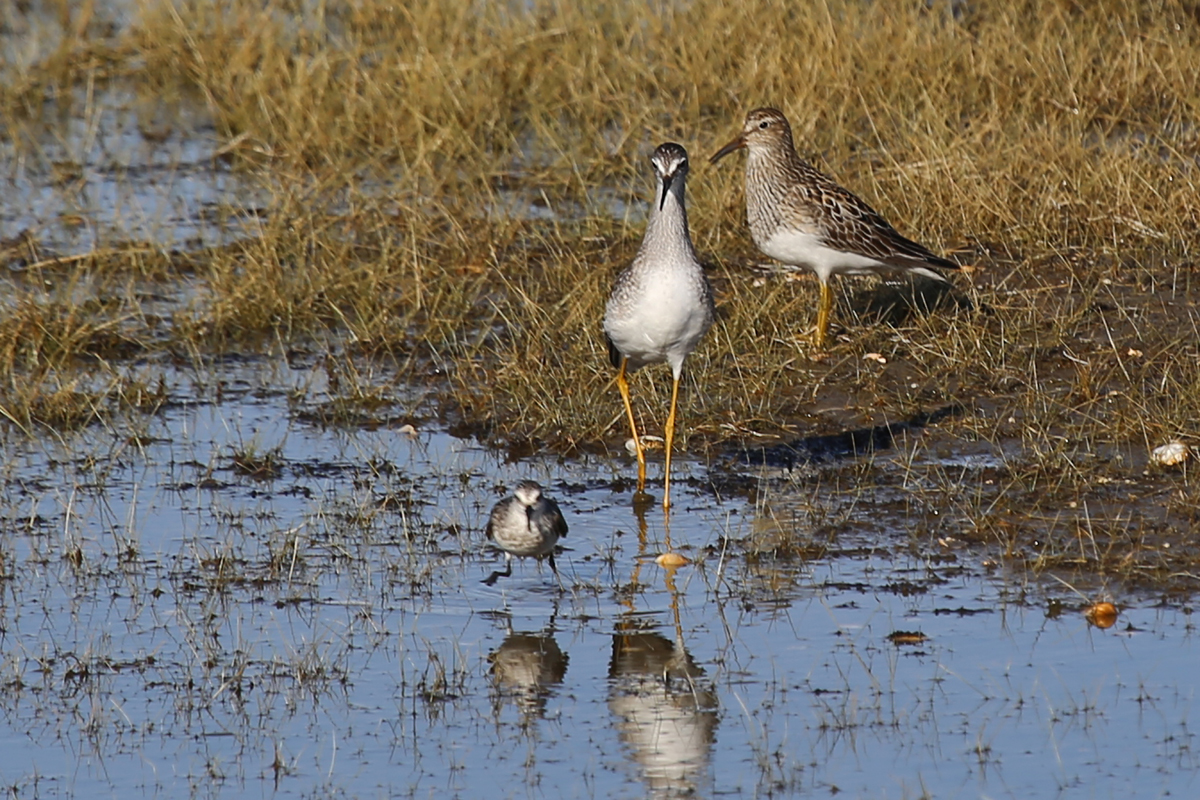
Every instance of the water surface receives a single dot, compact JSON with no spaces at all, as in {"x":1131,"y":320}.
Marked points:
{"x":175,"y":623}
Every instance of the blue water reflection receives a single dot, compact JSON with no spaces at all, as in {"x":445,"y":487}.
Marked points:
{"x":173,"y":625}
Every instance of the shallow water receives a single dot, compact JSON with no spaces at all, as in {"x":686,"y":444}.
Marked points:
{"x":174,"y":625}
{"x":113,"y":168}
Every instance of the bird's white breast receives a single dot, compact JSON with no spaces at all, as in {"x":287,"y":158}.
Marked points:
{"x":808,"y":250}
{"x":665,"y":322}
{"x":511,"y":530}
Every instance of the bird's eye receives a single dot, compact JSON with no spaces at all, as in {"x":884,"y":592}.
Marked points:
{"x":764,"y":124}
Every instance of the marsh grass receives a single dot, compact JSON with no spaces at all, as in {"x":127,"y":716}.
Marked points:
{"x":457,"y":184}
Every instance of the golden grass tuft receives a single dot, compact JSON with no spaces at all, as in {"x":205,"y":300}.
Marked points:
{"x":457,"y":184}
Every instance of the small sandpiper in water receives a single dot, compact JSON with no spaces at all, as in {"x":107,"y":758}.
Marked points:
{"x":661,"y":304}
{"x":801,"y":217}
{"x":527,"y":525}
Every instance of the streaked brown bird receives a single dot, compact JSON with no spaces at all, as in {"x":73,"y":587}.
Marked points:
{"x":801,"y":217}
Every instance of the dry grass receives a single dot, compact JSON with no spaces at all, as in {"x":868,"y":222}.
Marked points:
{"x":456,"y":185}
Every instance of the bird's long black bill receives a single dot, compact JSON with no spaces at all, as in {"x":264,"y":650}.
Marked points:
{"x":667,"y":181}
{"x":736,"y":144}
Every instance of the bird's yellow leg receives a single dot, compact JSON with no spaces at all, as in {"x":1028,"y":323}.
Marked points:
{"x":623,"y":385}
{"x":667,"y":533}
{"x":670,"y":438}
{"x":824,"y":306}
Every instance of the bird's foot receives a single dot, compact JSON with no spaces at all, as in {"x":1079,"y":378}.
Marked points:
{"x":642,"y":501}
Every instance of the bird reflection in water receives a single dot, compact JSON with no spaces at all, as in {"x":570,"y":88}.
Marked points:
{"x":665,"y":708}
{"x":524,"y":669}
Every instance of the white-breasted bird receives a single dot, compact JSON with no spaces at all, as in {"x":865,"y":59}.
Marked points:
{"x":527,"y":525}
{"x":661,"y":305}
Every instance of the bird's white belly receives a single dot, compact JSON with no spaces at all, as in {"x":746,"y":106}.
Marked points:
{"x":666,"y":324}
{"x":807,"y":250}
{"x":519,"y":537}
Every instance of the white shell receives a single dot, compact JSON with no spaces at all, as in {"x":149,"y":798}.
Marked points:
{"x":648,"y":443}
{"x":1170,"y":454}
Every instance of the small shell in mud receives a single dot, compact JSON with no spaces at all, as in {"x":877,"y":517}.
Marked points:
{"x":672,"y":560}
{"x":1102,"y":615}
{"x":1170,"y":454}
{"x":877,"y":357}
{"x":648,"y":443}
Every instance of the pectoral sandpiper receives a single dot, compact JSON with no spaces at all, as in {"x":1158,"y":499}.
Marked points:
{"x":662,"y":304}
{"x":801,"y":217}
{"x":527,"y":525}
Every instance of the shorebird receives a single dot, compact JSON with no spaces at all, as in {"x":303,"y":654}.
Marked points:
{"x":661,"y":304}
{"x":528,"y":525}
{"x":800,"y":216}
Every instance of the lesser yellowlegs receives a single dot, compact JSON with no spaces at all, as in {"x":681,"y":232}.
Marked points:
{"x":662,"y":304}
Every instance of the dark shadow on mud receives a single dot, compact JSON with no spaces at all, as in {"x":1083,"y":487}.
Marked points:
{"x":813,"y":450}
{"x":896,"y":302}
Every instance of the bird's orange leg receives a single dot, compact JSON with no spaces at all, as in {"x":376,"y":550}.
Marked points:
{"x":670,"y":438}
{"x":623,"y":385}
{"x":824,"y":306}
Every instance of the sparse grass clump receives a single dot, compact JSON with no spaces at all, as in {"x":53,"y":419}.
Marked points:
{"x":455,"y":186}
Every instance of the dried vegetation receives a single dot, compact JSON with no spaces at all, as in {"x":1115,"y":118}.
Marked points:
{"x":456,"y":184}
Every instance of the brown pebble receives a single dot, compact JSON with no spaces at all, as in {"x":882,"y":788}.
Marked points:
{"x":1102,"y":615}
